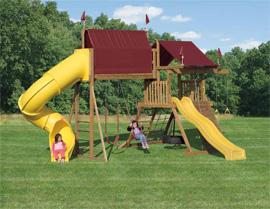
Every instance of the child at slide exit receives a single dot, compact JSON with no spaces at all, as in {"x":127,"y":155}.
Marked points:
{"x":138,"y":134}
{"x":59,"y":148}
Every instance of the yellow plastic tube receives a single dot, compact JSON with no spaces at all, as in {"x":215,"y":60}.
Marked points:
{"x":32,"y":103}
{"x":209,"y":131}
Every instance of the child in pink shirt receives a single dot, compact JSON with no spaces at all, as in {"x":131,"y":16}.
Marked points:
{"x":138,"y":134}
{"x":59,"y":148}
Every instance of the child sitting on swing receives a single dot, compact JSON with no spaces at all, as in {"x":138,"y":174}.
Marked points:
{"x":138,"y":134}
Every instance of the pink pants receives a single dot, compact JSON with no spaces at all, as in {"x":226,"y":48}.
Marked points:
{"x":57,"y":152}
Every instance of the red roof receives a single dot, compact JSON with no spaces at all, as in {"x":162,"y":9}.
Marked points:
{"x":193,"y":56}
{"x":119,"y":51}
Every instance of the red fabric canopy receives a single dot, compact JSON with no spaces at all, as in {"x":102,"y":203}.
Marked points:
{"x":119,"y":51}
{"x":193,"y":56}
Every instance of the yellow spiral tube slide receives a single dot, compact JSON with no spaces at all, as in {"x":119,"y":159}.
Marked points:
{"x":74,"y":68}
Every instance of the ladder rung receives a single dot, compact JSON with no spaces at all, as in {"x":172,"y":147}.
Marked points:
{"x":83,"y":130}
{"x":83,"y":121}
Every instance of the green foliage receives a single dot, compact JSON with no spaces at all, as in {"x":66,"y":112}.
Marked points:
{"x":35,"y":36}
{"x":247,"y":84}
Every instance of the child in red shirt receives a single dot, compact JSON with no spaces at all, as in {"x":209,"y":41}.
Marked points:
{"x":59,"y":148}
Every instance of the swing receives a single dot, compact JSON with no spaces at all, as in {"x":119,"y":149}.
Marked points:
{"x":227,"y":111}
{"x":117,"y":137}
{"x":216,"y":110}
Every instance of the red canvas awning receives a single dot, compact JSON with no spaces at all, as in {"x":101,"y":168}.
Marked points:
{"x":119,"y":51}
{"x":193,"y":56}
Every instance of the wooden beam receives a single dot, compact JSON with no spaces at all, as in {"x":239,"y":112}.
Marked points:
{"x":106,"y":121}
{"x":131,"y":76}
{"x":181,"y":129}
{"x":99,"y":125}
{"x":158,"y":53}
{"x":169,"y":123}
{"x":149,"y":105}
{"x":151,"y":122}
{"x":77,"y":110}
{"x":91,"y":107}
{"x":179,"y":84}
{"x":72,"y":108}
{"x":221,"y":71}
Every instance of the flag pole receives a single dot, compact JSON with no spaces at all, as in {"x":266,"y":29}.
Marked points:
{"x":147,"y":20}
{"x":219,"y":56}
{"x":83,"y":18}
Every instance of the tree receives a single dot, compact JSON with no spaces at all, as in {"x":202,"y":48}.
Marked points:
{"x":34,"y":37}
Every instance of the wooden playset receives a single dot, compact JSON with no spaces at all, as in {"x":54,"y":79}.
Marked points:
{"x":149,"y":62}
{"x":121,"y":55}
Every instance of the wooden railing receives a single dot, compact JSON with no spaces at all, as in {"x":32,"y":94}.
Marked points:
{"x":156,"y":92}
{"x":193,"y":89}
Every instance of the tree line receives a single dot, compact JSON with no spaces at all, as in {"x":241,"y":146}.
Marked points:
{"x":35,"y":36}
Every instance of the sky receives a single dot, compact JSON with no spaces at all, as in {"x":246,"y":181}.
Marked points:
{"x":210,"y":24}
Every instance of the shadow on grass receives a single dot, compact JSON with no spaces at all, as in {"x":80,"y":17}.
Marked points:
{"x":197,"y":141}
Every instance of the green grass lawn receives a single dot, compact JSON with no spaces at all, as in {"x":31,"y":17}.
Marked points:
{"x":132,"y":179}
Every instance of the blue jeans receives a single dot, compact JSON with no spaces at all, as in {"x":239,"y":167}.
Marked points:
{"x":141,"y":137}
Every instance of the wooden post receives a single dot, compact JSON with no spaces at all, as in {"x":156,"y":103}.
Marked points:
{"x":99,"y":125}
{"x":118,"y":119}
{"x":91,"y":108}
{"x":151,"y":121}
{"x":192,"y":90}
{"x":82,"y":34}
{"x":106,"y":121}
{"x":202,"y":90}
{"x":179,"y":82}
{"x":169,"y":81}
{"x":158,"y":53}
{"x":77,"y":109}
{"x":169,"y":124}
{"x":158,"y":59}
{"x":72,"y":109}
{"x":181,"y":129}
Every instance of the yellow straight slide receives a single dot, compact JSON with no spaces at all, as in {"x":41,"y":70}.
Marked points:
{"x":32,"y":103}
{"x":209,"y":130}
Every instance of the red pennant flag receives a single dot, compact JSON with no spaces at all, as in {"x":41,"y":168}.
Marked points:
{"x":147,"y":20}
{"x":83,"y":17}
{"x":219,"y":53}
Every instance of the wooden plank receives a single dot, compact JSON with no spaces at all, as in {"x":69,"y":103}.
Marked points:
{"x":151,"y":121}
{"x":82,"y":130}
{"x":169,"y":124}
{"x":179,"y":84}
{"x":83,"y":121}
{"x":181,"y":129}
{"x":91,"y":107}
{"x":72,"y":109}
{"x":132,"y":76}
{"x":142,"y":104}
{"x":158,"y":53}
{"x":99,"y":125}
{"x":118,"y":120}
{"x":106,"y":121}
{"x":152,"y":93}
{"x":77,"y":109}
{"x":221,"y":71}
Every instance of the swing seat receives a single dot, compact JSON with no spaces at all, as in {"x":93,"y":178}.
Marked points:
{"x":227,"y":111}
